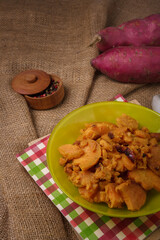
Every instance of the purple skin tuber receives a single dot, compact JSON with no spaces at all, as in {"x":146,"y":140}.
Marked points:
{"x":130,"y":64}
{"x":137,"y":32}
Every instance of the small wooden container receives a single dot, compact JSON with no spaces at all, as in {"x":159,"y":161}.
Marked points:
{"x":33,"y":82}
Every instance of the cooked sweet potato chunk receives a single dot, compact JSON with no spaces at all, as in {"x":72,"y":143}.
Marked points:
{"x":146,"y":178}
{"x":114,"y":198}
{"x":92,"y":153}
{"x":102,"y":173}
{"x":70,"y":151}
{"x":154,"y":161}
{"x":133,"y":195}
{"x":88,"y":194}
{"x":127,"y":121}
{"x":101,"y":196}
{"x":83,"y":179}
{"x":107,"y":146}
{"x":140,"y":141}
{"x":95,"y":130}
{"x":124,"y":163}
{"x":141,"y":133}
{"x":62,"y":161}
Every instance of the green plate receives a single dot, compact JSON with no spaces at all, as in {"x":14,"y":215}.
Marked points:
{"x":67,"y":130}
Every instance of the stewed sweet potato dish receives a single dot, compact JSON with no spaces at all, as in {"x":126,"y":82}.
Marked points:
{"x":114,"y":163}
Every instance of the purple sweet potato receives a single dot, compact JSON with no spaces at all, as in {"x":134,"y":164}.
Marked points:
{"x":130,"y":64}
{"x":137,"y":32}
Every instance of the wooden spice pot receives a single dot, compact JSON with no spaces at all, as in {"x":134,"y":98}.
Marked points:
{"x":49,"y":101}
{"x":32,"y":82}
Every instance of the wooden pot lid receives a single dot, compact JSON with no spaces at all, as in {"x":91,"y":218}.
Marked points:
{"x":31,"y":82}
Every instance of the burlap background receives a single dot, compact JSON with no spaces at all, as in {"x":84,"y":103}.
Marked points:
{"x":52,"y":36}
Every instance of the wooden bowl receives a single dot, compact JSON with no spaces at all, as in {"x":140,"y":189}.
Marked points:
{"x":47,"y":102}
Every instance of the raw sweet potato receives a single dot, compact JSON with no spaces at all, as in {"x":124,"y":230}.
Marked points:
{"x":137,"y":32}
{"x":130,"y":64}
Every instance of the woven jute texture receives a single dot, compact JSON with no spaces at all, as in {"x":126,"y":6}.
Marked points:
{"x":52,"y":36}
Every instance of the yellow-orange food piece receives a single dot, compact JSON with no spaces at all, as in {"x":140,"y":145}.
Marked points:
{"x":133,"y":195}
{"x":146,"y":178}
{"x":92,"y":153}
{"x":154,"y":161}
{"x":95,"y":130}
{"x":109,"y":196}
{"x":114,"y":198}
{"x":127,"y":121}
{"x":70,"y":151}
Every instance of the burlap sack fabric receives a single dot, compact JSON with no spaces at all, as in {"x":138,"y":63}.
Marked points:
{"x":52,"y":36}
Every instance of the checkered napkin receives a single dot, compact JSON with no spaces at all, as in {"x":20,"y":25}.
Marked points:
{"x":88,"y":225}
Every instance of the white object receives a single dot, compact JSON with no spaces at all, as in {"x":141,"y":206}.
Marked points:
{"x":156,"y":103}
